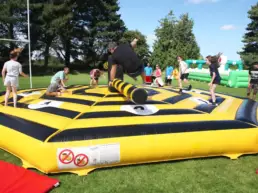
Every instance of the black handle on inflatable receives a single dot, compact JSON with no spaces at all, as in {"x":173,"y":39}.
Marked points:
{"x":136,"y":95}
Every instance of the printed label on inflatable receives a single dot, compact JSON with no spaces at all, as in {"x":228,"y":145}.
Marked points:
{"x":199,"y":101}
{"x":26,"y":94}
{"x":140,"y":109}
{"x":81,"y":157}
{"x":45,"y":103}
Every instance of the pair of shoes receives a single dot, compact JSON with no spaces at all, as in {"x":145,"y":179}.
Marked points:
{"x":190,"y":87}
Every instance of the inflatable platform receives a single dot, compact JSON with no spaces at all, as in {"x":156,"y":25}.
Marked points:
{"x":90,"y":128}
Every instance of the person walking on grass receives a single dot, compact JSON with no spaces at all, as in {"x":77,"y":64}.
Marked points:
{"x":253,"y":81}
{"x":10,"y":73}
{"x":184,"y":73}
{"x":215,"y":76}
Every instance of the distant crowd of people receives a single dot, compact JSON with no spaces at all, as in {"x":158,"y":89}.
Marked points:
{"x":124,"y":60}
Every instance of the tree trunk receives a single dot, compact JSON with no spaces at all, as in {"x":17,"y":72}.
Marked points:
{"x":11,"y":31}
{"x":46,"y":54}
{"x":67,"y":52}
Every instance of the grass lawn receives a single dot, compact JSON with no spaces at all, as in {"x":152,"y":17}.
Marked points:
{"x":211,"y":175}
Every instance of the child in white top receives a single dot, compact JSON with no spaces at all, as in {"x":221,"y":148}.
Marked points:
{"x":11,"y":80}
{"x":184,"y":73}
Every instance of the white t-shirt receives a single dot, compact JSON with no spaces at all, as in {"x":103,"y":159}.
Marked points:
{"x":183,"y":67}
{"x":13,"y":68}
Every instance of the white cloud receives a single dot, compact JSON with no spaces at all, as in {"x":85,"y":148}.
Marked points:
{"x":150,"y":40}
{"x":228,"y":27}
{"x":201,"y":1}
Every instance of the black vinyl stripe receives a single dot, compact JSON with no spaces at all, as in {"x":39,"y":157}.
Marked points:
{"x":178,"y":98}
{"x":151,"y":92}
{"x":114,"y":114}
{"x":130,"y":90}
{"x":29,"y":128}
{"x":80,"y":91}
{"x":69,"y":100}
{"x":51,"y":110}
{"x":207,"y":108}
{"x":121,"y":82}
{"x":147,"y":129}
{"x":124,"y":85}
{"x":84,"y":93}
{"x":247,"y":112}
{"x":107,"y":103}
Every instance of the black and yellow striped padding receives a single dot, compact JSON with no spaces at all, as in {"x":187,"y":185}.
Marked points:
{"x":136,"y":95}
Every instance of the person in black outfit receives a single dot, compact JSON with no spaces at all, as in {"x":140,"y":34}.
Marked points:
{"x":213,"y":63}
{"x":253,"y":80}
{"x":124,"y":60}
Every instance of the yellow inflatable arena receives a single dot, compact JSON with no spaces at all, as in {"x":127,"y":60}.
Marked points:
{"x":89,"y":128}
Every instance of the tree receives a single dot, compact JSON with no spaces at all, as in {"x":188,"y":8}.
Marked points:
{"x":250,"y":39}
{"x":174,"y":38}
{"x":142,"y":48}
{"x":11,"y":23}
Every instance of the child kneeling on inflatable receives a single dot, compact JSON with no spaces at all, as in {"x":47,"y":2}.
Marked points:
{"x":55,"y":88}
{"x":94,"y":76}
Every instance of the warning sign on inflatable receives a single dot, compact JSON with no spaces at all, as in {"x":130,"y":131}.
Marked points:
{"x":79,"y":157}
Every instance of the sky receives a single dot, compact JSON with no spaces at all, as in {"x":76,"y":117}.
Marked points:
{"x":219,"y":25}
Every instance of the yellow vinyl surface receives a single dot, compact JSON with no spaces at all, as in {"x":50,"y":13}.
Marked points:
{"x":90,"y":128}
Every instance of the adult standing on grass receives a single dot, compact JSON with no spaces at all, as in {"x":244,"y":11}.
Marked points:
{"x":184,"y":73}
{"x":253,"y":80}
{"x":215,"y":76}
{"x":11,"y":80}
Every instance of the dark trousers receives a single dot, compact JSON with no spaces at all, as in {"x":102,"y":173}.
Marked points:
{"x":119,"y":73}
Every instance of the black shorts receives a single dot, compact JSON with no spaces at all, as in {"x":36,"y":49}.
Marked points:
{"x":216,"y":81}
{"x":184,"y":76}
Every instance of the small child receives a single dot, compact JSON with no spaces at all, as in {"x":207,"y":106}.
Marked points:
{"x":184,"y":73}
{"x":94,"y":75}
{"x":253,"y":80}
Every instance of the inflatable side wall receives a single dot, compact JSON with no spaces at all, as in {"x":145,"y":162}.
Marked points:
{"x":236,"y":79}
{"x":231,"y":78}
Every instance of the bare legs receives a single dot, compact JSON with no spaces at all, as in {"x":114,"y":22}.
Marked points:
{"x":212,"y":91}
{"x":250,"y":89}
{"x":14,"y":89}
{"x":7,"y":94}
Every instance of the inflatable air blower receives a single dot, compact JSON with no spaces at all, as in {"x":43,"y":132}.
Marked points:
{"x":136,"y":95}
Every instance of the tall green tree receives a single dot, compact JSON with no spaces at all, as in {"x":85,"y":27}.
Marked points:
{"x":11,"y":23}
{"x":164,"y":46}
{"x":174,"y":37}
{"x":142,"y":48}
{"x":249,"y":53}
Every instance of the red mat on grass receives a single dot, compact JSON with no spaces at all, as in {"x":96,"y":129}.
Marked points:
{"x":15,"y":179}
